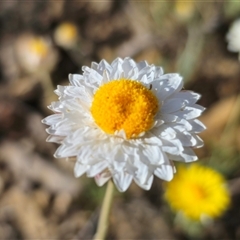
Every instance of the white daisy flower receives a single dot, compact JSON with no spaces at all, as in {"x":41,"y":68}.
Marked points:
{"x":126,"y":121}
{"x":35,"y":53}
{"x":233,"y":37}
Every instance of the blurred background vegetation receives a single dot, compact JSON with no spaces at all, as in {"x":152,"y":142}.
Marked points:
{"x":41,"y":42}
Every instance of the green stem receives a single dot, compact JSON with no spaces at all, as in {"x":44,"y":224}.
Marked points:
{"x":104,"y":214}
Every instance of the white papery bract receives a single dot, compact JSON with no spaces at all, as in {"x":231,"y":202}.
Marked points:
{"x":233,"y":37}
{"x":119,"y":155}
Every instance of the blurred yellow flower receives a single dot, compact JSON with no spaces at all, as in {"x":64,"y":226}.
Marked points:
{"x":66,"y":35}
{"x":38,"y":46}
{"x":198,"y":191}
{"x":35,"y":53}
{"x":184,"y":9}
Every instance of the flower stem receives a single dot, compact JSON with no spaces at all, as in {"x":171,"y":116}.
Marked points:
{"x":104,"y":214}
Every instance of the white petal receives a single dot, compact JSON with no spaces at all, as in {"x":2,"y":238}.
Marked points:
{"x":233,"y":37}
{"x":142,"y":65}
{"x":93,"y":78}
{"x":199,"y":141}
{"x":189,"y":96}
{"x":117,"y":61}
{"x":185,"y":123}
{"x":75,"y":79}
{"x":79,"y":81}
{"x":106,"y":77}
{"x":173,"y":146}
{"x":102,"y":178}
{"x":167,"y":85}
{"x":130,"y":149}
{"x":168,"y":117}
{"x":118,"y":160}
{"x":175,"y":157}
{"x":183,"y":157}
{"x":141,"y":173}
{"x":118,"y":166}
{"x":190,"y":112}
{"x":76,"y":105}
{"x":164,"y":131}
{"x":97,"y":168}
{"x":80,"y":143}
{"x":128,"y":65}
{"x":189,"y":155}
{"x":157,"y":123}
{"x":148,"y":73}
{"x":62,"y":128}
{"x":94,"y":66}
{"x":174,"y":104}
{"x":104,"y":65}
{"x":79,"y":169}
{"x":150,"y":138}
{"x":122,"y":181}
{"x":65,"y":151}
{"x":143,"y":79}
{"x":146,"y":185}
{"x":189,"y":140}
{"x":133,"y":74}
{"x":152,"y":155}
{"x":73,"y":91}
{"x":85,"y":135}
{"x":116,"y":69}
{"x":120,"y":133}
{"x":158,"y":72}
{"x":59,"y":91}
{"x":197,"y":126}
{"x":84,"y":154}
{"x":165,"y":172}
{"x":52,"y":119}
{"x":56,"y":139}
{"x":55,"y":107}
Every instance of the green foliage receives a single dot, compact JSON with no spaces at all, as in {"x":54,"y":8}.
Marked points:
{"x":232,"y":8}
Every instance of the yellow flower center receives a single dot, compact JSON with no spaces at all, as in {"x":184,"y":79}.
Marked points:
{"x":124,"y":104}
{"x":198,"y":193}
{"x":38,"y":46}
{"x":66,"y":34}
